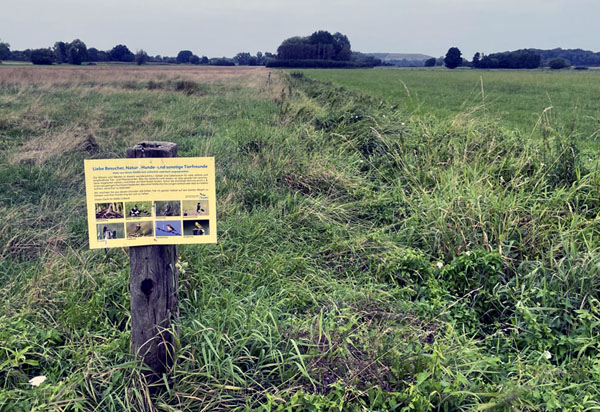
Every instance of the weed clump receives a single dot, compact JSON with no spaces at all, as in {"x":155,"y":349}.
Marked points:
{"x":187,"y":87}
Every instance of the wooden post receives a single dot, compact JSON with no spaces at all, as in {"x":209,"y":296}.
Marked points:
{"x":153,"y":282}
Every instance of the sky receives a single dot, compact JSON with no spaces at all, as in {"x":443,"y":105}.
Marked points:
{"x":226,"y":27}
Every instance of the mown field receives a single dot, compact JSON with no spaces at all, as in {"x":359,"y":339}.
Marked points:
{"x":516,"y":99}
{"x":371,"y":256}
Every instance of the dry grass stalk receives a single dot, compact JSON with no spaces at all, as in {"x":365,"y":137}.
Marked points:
{"x":41,"y":148}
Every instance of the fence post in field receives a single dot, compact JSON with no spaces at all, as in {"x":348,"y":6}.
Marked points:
{"x":153,"y":282}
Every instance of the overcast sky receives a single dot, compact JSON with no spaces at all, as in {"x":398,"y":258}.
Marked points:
{"x":226,"y":27}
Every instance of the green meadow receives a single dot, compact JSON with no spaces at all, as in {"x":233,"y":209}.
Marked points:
{"x":516,"y":99}
{"x":375,"y":252}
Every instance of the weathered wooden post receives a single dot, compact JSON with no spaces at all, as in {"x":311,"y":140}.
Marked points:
{"x":153,"y":282}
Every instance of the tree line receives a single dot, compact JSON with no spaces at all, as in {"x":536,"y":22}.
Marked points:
{"x":76,"y":52}
{"x":320,"y":49}
{"x":519,"y":59}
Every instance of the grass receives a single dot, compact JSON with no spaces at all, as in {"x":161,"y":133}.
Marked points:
{"x":370,"y":257}
{"x":516,"y":99}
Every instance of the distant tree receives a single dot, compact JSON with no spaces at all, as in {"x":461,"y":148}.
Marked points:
{"x":292,"y":48}
{"x":195,"y":59}
{"x":430,"y":62}
{"x":184,"y":56}
{"x":320,"y":37}
{"x":4,"y":50}
{"x":141,"y":57}
{"x":76,"y":52}
{"x":204,"y":60}
{"x":476,"y":60}
{"x":242,"y":59}
{"x":42,"y":56}
{"x":60,"y":52}
{"x":94,"y":54}
{"x":557,"y":64}
{"x":322,"y":42}
{"x":20,"y":55}
{"x":103,"y":56}
{"x":121,"y":53}
{"x":453,"y":58}
{"x":341,"y":47}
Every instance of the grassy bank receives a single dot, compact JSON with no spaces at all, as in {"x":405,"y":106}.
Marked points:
{"x":368,"y":258}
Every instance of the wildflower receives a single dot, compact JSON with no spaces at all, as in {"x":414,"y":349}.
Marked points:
{"x":37,"y":381}
{"x":439,"y":265}
{"x":468,"y":253}
{"x":547,"y":355}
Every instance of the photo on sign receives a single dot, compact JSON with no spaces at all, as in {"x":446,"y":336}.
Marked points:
{"x":139,"y":229}
{"x":108,"y":231}
{"x":193,"y":208}
{"x":168,"y":208}
{"x":196,"y":227}
{"x":134,"y":210}
{"x":112,"y":210}
{"x":168,"y":228}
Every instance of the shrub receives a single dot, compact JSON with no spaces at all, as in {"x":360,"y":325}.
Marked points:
{"x":557,"y":64}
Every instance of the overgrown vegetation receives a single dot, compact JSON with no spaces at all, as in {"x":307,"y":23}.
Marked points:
{"x":369,"y":257}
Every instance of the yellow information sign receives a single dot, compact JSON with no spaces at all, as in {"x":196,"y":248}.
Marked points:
{"x":151,"y":201}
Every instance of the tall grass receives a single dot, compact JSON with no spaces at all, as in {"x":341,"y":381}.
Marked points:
{"x":369,"y":258}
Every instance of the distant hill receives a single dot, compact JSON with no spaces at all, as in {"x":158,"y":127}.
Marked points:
{"x":401,"y":59}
